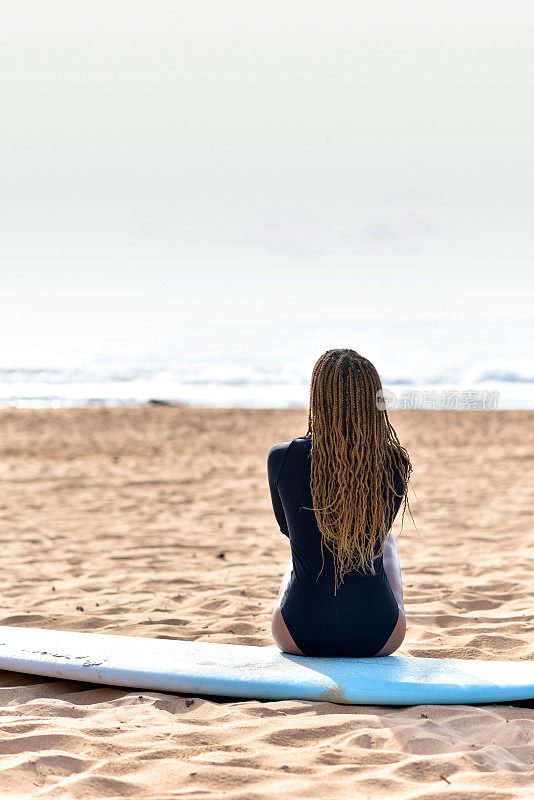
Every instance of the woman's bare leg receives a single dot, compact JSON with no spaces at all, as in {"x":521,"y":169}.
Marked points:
{"x":393,"y":574}
{"x":281,"y":635}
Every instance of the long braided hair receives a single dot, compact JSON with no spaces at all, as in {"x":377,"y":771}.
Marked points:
{"x":355,"y":454}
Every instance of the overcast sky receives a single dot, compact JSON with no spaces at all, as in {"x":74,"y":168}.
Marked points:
{"x":175,"y":163}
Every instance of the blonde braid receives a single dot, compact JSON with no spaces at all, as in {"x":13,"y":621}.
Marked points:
{"x":355,"y":454}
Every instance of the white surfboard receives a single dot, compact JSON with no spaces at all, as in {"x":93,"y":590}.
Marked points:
{"x":260,"y":672}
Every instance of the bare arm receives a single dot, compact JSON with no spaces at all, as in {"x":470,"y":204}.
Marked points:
{"x":392,"y":569}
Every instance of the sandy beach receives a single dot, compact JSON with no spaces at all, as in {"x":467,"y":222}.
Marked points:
{"x":156,"y":521}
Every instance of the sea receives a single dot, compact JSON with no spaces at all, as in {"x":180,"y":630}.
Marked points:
{"x":423,"y":365}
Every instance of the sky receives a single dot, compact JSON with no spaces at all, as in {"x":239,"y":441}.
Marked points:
{"x":167,"y":166}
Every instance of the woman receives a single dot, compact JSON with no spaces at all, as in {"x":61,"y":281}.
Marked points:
{"x":335,"y":493}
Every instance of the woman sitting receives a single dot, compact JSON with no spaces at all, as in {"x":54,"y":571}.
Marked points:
{"x":335,"y":494}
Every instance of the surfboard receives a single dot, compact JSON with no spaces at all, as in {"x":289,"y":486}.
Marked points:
{"x":263,"y":673}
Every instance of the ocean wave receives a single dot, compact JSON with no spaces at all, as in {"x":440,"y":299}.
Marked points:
{"x":249,"y":377}
{"x":263,"y":377}
{"x":504,"y":376}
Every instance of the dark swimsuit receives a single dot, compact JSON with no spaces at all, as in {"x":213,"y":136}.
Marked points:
{"x":357,"y":620}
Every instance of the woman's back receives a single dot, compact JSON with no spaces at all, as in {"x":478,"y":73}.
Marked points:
{"x":358,"y":618}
